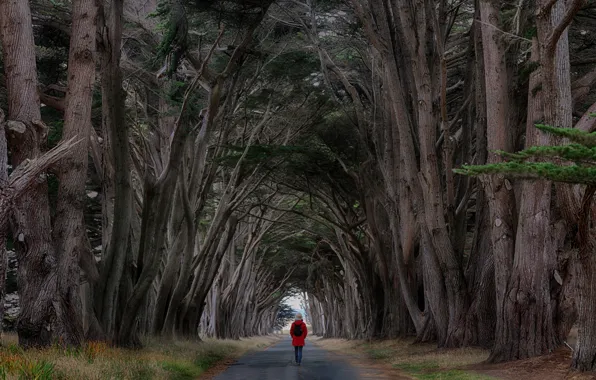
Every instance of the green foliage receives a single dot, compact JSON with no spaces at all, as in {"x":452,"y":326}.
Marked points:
{"x":581,"y":154}
{"x":295,"y":66}
{"x":348,"y":54}
{"x":37,"y":370}
{"x":575,"y":135}
{"x":284,"y":315}
{"x":531,"y":33}
{"x":174,"y":42}
{"x":534,"y":170}
{"x":311,"y":159}
{"x":15,"y":349}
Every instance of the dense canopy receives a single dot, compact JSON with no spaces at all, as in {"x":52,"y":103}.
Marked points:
{"x":404,"y":168}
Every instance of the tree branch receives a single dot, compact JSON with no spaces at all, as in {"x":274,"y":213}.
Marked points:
{"x":27,"y":174}
{"x":560,"y":28}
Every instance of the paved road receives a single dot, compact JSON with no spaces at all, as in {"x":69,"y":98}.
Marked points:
{"x":277,"y":363}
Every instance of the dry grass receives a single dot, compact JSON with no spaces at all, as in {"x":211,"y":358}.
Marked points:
{"x":418,"y":361}
{"x":158,"y":360}
{"x":426,"y":362}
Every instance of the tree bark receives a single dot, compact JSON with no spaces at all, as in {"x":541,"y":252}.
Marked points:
{"x":117,"y":157}
{"x":69,"y":226}
{"x":526,"y":321}
{"x":499,"y":191}
{"x":3,"y":225}
{"x":584,"y":356}
{"x":32,"y":227}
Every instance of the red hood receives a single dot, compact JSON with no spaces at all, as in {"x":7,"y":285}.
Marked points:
{"x":300,"y":322}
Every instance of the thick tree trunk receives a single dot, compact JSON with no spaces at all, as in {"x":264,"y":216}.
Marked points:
{"x":69,"y":227}
{"x":3,"y":225}
{"x":584,"y":356}
{"x":526,"y":321}
{"x":417,"y":30}
{"x":32,"y":230}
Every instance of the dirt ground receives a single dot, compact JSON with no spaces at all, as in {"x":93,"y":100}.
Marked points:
{"x":549,"y":367}
{"x":400,"y":359}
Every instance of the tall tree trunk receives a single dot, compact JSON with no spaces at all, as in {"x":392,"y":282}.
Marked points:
{"x":480,"y":271}
{"x":426,"y":77}
{"x":527,"y":325}
{"x":3,"y":225}
{"x":584,"y":356}
{"x":32,"y":228}
{"x":116,"y":131}
{"x":69,"y":228}
{"x":499,"y":191}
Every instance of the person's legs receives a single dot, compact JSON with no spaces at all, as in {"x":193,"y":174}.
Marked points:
{"x":296,"y":348}
{"x":299,"y":354}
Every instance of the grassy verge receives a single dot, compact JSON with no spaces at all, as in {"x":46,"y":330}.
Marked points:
{"x":178,"y":360}
{"x":420,"y":361}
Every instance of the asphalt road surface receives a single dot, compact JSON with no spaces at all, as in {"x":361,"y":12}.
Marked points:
{"x":277,"y":363}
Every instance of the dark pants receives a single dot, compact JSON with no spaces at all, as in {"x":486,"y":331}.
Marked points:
{"x":298,"y":352}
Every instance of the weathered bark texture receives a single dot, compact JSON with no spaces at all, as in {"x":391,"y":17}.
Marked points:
{"x":499,"y":190}
{"x":26,"y":135}
{"x":69,"y":226}
{"x":584,"y":356}
{"x":117,"y":161}
{"x":3,"y":225}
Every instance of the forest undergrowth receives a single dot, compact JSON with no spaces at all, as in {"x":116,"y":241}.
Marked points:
{"x":174,"y":360}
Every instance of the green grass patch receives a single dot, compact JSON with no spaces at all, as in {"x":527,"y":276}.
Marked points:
{"x":380,"y":353}
{"x":38,"y":370}
{"x":182,"y":370}
{"x":212,"y":353}
{"x":431,"y":371}
{"x":208,"y":355}
{"x":137,"y":370}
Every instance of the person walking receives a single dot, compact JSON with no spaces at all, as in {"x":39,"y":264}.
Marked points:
{"x":298,"y":332}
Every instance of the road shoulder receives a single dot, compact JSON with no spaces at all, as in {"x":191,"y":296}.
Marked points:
{"x":246,"y":347}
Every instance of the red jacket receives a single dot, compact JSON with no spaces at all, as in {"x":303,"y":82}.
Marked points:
{"x":298,"y":341}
